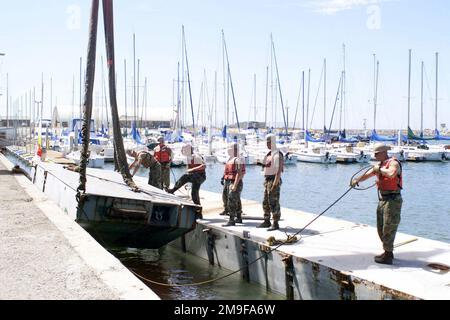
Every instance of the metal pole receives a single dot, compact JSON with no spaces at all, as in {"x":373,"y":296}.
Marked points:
{"x":137,"y":91}
{"x":324,"y":94}
{"x":436,"y":107}
{"x":421,"y":101}
{"x":307,"y":100}
{"x":7,"y":100}
{"x":409,"y":89}
{"x":376,"y":96}
{"x":303,"y":100}
{"x":134,"y":77}
{"x":81,"y":85}
{"x":126,"y":115}
{"x":267,"y":95}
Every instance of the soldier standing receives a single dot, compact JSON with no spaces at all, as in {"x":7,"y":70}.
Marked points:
{"x":145,"y":159}
{"x":390,"y":183}
{"x":163,"y":154}
{"x":273,"y":167}
{"x":233,"y":185}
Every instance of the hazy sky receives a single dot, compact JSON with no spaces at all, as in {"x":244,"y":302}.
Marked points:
{"x":50,"y":36}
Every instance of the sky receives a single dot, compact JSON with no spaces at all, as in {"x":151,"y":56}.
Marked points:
{"x":50,"y":36}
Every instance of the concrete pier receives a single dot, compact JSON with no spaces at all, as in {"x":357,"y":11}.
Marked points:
{"x":332,"y":260}
{"x":46,"y":255}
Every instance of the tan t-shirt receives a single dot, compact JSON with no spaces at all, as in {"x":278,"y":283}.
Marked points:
{"x":273,"y":161}
{"x":146,"y":159}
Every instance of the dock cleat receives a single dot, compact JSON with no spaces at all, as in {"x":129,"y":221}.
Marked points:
{"x":385,"y":258}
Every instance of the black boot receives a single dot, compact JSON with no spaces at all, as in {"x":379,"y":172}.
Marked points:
{"x":230,"y":223}
{"x":265,"y":224}
{"x":274,"y":226}
{"x":238,"y":220}
{"x":385,"y":258}
{"x":172,"y":191}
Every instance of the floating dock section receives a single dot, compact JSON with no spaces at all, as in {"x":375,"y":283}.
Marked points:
{"x":332,"y":260}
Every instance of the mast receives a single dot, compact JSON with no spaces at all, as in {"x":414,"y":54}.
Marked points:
{"x":254,"y":93}
{"x":81,"y":85}
{"x":409,"y":89}
{"x":138,"y":83}
{"x":307,"y":100}
{"x":279,"y":85}
{"x":126,"y":97}
{"x":145,"y":99}
{"x":375,"y":97}
{"x":189,"y":81}
{"x":303,"y":100}
{"x":73,"y":96}
{"x":226,"y":89}
{"x":178,"y":119}
{"x":134,"y":79}
{"x":51,"y":98}
{"x":7,"y":100}
{"x":231,"y":83}
{"x":215,"y":98}
{"x":436,"y":102}
{"x":267,"y":95}
{"x":324,"y":95}
{"x":421,"y":101}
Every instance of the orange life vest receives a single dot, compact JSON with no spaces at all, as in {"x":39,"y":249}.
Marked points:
{"x":390,"y":184}
{"x":192,"y":165}
{"x":163,"y":154}
{"x":231,"y":170}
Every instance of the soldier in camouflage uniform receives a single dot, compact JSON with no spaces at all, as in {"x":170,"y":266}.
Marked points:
{"x":233,"y":185}
{"x":273,"y":167}
{"x":145,"y":159}
{"x":390,"y":183}
{"x":196,"y":174}
{"x":164,"y":155}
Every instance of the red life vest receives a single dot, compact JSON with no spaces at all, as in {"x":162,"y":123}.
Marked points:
{"x":192,"y":165}
{"x":163,"y":155}
{"x":390,"y":184}
{"x":231,"y":170}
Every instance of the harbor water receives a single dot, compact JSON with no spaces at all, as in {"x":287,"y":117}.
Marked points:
{"x":306,"y":187}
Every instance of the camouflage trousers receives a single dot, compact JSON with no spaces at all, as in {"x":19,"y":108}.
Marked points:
{"x":165,"y":175}
{"x":225,"y":202}
{"x":271,"y":202}
{"x":196,"y":179}
{"x":154,"y":177}
{"x":232,"y":199}
{"x":388,"y":219}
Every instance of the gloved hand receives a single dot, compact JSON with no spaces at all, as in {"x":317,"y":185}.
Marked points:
{"x":354,"y":183}
{"x":222,"y":181}
{"x":376,"y":168}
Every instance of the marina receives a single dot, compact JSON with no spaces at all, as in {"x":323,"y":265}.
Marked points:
{"x":149,"y":168}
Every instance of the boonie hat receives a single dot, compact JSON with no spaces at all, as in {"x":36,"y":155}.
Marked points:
{"x":380,"y":147}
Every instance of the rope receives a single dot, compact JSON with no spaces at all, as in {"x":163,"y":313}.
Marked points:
{"x":288,"y":241}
